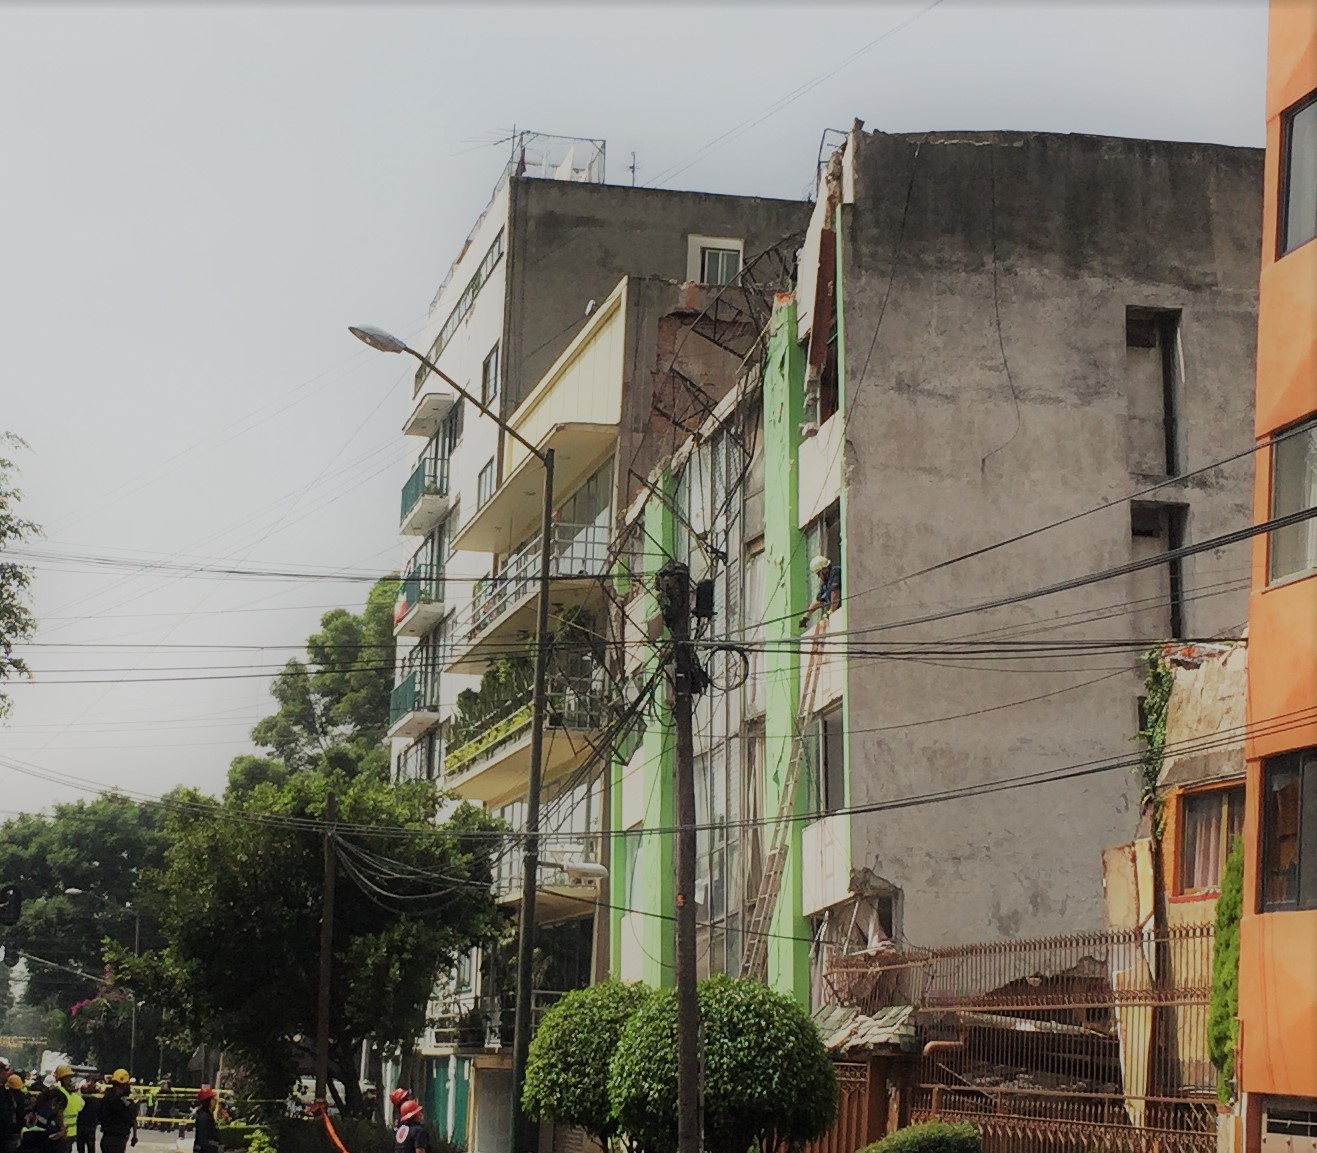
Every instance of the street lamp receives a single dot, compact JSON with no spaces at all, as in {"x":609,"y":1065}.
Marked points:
{"x":383,"y":341}
{"x":137,"y":948}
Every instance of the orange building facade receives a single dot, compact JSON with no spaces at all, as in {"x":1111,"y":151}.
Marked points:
{"x":1277,"y":1058}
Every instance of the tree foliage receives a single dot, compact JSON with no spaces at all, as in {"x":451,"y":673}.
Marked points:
{"x":16,"y":623}
{"x":1223,"y":1006}
{"x":567,"y":1070}
{"x":239,"y":893}
{"x":768,"y":1080}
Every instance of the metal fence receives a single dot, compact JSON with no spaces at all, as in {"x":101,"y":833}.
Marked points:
{"x":1091,"y":1041}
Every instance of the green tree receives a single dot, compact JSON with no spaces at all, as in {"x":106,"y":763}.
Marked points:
{"x":16,"y":623}
{"x":239,"y":894}
{"x":335,"y":704}
{"x":567,"y":1070}
{"x":768,"y":1080}
{"x":1223,"y":1006}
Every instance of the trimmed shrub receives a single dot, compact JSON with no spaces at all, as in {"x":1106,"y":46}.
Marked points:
{"x":567,"y":1070}
{"x":931,"y":1137}
{"x":768,"y":1079}
{"x":1223,"y":1007}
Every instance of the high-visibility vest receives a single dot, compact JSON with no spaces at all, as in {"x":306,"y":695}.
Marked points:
{"x":73,"y":1104}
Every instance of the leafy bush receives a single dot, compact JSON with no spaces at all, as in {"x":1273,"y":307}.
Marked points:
{"x":1223,"y":1007}
{"x":931,"y":1137}
{"x":237,"y":1135}
{"x":567,"y":1070}
{"x":767,"y":1077}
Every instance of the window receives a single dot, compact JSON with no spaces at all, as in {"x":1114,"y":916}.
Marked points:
{"x":1293,"y":549}
{"x":1152,"y":386}
{"x":1298,"y":176}
{"x":450,"y":431}
{"x":465,"y":970}
{"x":823,"y":538}
{"x":489,"y":379}
{"x":1210,"y":823}
{"x":1289,"y":832}
{"x":827,"y":763}
{"x":485,"y":485}
{"x":719,"y":265}
{"x":713,"y":259}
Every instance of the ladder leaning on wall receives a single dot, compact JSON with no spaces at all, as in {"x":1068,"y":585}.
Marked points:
{"x":754,"y":960}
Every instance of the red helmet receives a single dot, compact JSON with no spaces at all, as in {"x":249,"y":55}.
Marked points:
{"x":206,"y":1094}
{"x":411,"y":1109}
{"x":399,"y":1095}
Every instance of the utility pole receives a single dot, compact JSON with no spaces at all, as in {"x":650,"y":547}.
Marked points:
{"x":326,"y":955}
{"x":675,"y":586}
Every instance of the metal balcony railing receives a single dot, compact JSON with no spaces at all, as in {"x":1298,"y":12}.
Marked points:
{"x":423,"y":584}
{"x":418,"y":688}
{"x":576,"y":550}
{"x":429,"y":478}
{"x":568,"y":708}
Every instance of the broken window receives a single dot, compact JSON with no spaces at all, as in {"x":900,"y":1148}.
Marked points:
{"x":1298,"y":178}
{"x":1210,"y":822}
{"x":1293,"y":549}
{"x":829,"y":380}
{"x":1289,"y":832}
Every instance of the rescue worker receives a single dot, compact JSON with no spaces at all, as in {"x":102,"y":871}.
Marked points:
{"x":118,"y":1114}
{"x":829,"y":594}
{"x":43,"y":1128}
{"x":88,"y":1118}
{"x":16,"y":1091}
{"x":71,"y":1103}
{"x":411,"y":1135}
{"x":206,"y":1131}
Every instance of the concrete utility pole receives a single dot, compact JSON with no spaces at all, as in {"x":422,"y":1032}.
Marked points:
{"x":326,"y":955}
{"x":675,"y":587}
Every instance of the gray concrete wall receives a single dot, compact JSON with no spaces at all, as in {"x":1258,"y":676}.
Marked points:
{"x":571,"y":243}
{"x":1032,"y":245}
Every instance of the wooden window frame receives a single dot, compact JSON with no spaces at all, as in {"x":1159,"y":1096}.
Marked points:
{"x":1223,"y":791}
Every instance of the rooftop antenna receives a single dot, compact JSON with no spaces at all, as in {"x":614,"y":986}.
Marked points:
{"x":632,"y":169}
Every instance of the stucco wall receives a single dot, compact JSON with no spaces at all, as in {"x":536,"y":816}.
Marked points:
{"x":1032,"y":245}
{"x":572,"y":242}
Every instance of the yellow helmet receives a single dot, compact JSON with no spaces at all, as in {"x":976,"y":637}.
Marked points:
{"x":62,"y":1071}
{"x":15,"y":1081}
{"x":121,"y":1077}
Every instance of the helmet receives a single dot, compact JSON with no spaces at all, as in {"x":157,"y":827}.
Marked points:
{"x":399,"y":1095}
{"x":410,"y":1110}
{"x":819,"y":565}
{"x":14,"y":1082}
{"x":205,"y":1093}
{"x":62,"y":1071}
{"x":121,"y":1077}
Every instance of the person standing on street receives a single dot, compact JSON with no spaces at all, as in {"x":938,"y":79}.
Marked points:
{"x":16,"y":1091}
{"x":71,"y":1103}
{"x":118,"y":1114}
{"x":206,"y":1131}
{"x":411,"y":1136}
{"x":43,"y":1128}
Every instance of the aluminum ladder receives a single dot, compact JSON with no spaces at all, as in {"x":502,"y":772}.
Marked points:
{"x":754,"y":960}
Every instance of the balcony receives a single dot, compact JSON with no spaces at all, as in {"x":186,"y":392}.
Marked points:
{"x":425,"y":497}
{"x":558,"y":898}
{"x":492,"y":767}
{"x":428,"y":414}
{"x":413,"y":704}
{"x":420,"y":603}
{"x":502,"y":608}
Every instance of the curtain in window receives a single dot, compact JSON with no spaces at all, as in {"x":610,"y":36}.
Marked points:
{"x":1201,"y":868}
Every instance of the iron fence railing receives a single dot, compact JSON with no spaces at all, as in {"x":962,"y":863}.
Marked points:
{"x":1060,"y":1034}
{"x":417,"y":687}
{"x":576,"y":550}
{"x":428,"y":478}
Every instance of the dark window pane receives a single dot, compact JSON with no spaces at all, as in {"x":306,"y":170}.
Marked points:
{"x":1299,"y":182}
{"x":1280,"y":850}
{"x":1294,"y":489}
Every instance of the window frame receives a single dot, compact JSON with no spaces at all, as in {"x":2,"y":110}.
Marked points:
{"x":488,"y":379}
{"x":1285,"y":176}
{"x":696,"y":246}
{"x":1303,"y":762}
{"x":486,"y":484}
{"x":1223,"y":792}
{"x":1301,"y":431}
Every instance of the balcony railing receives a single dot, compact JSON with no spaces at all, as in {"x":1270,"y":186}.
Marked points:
{"x":576,"y":550}
{"x":568,"y":708}
{"x":423,"y":584}
{"x":486,"y":1022}
{"x":417,"y":691}
{"x":429,"y":478}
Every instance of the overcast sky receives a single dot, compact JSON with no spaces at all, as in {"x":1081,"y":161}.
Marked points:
{"x":196,"y":202}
